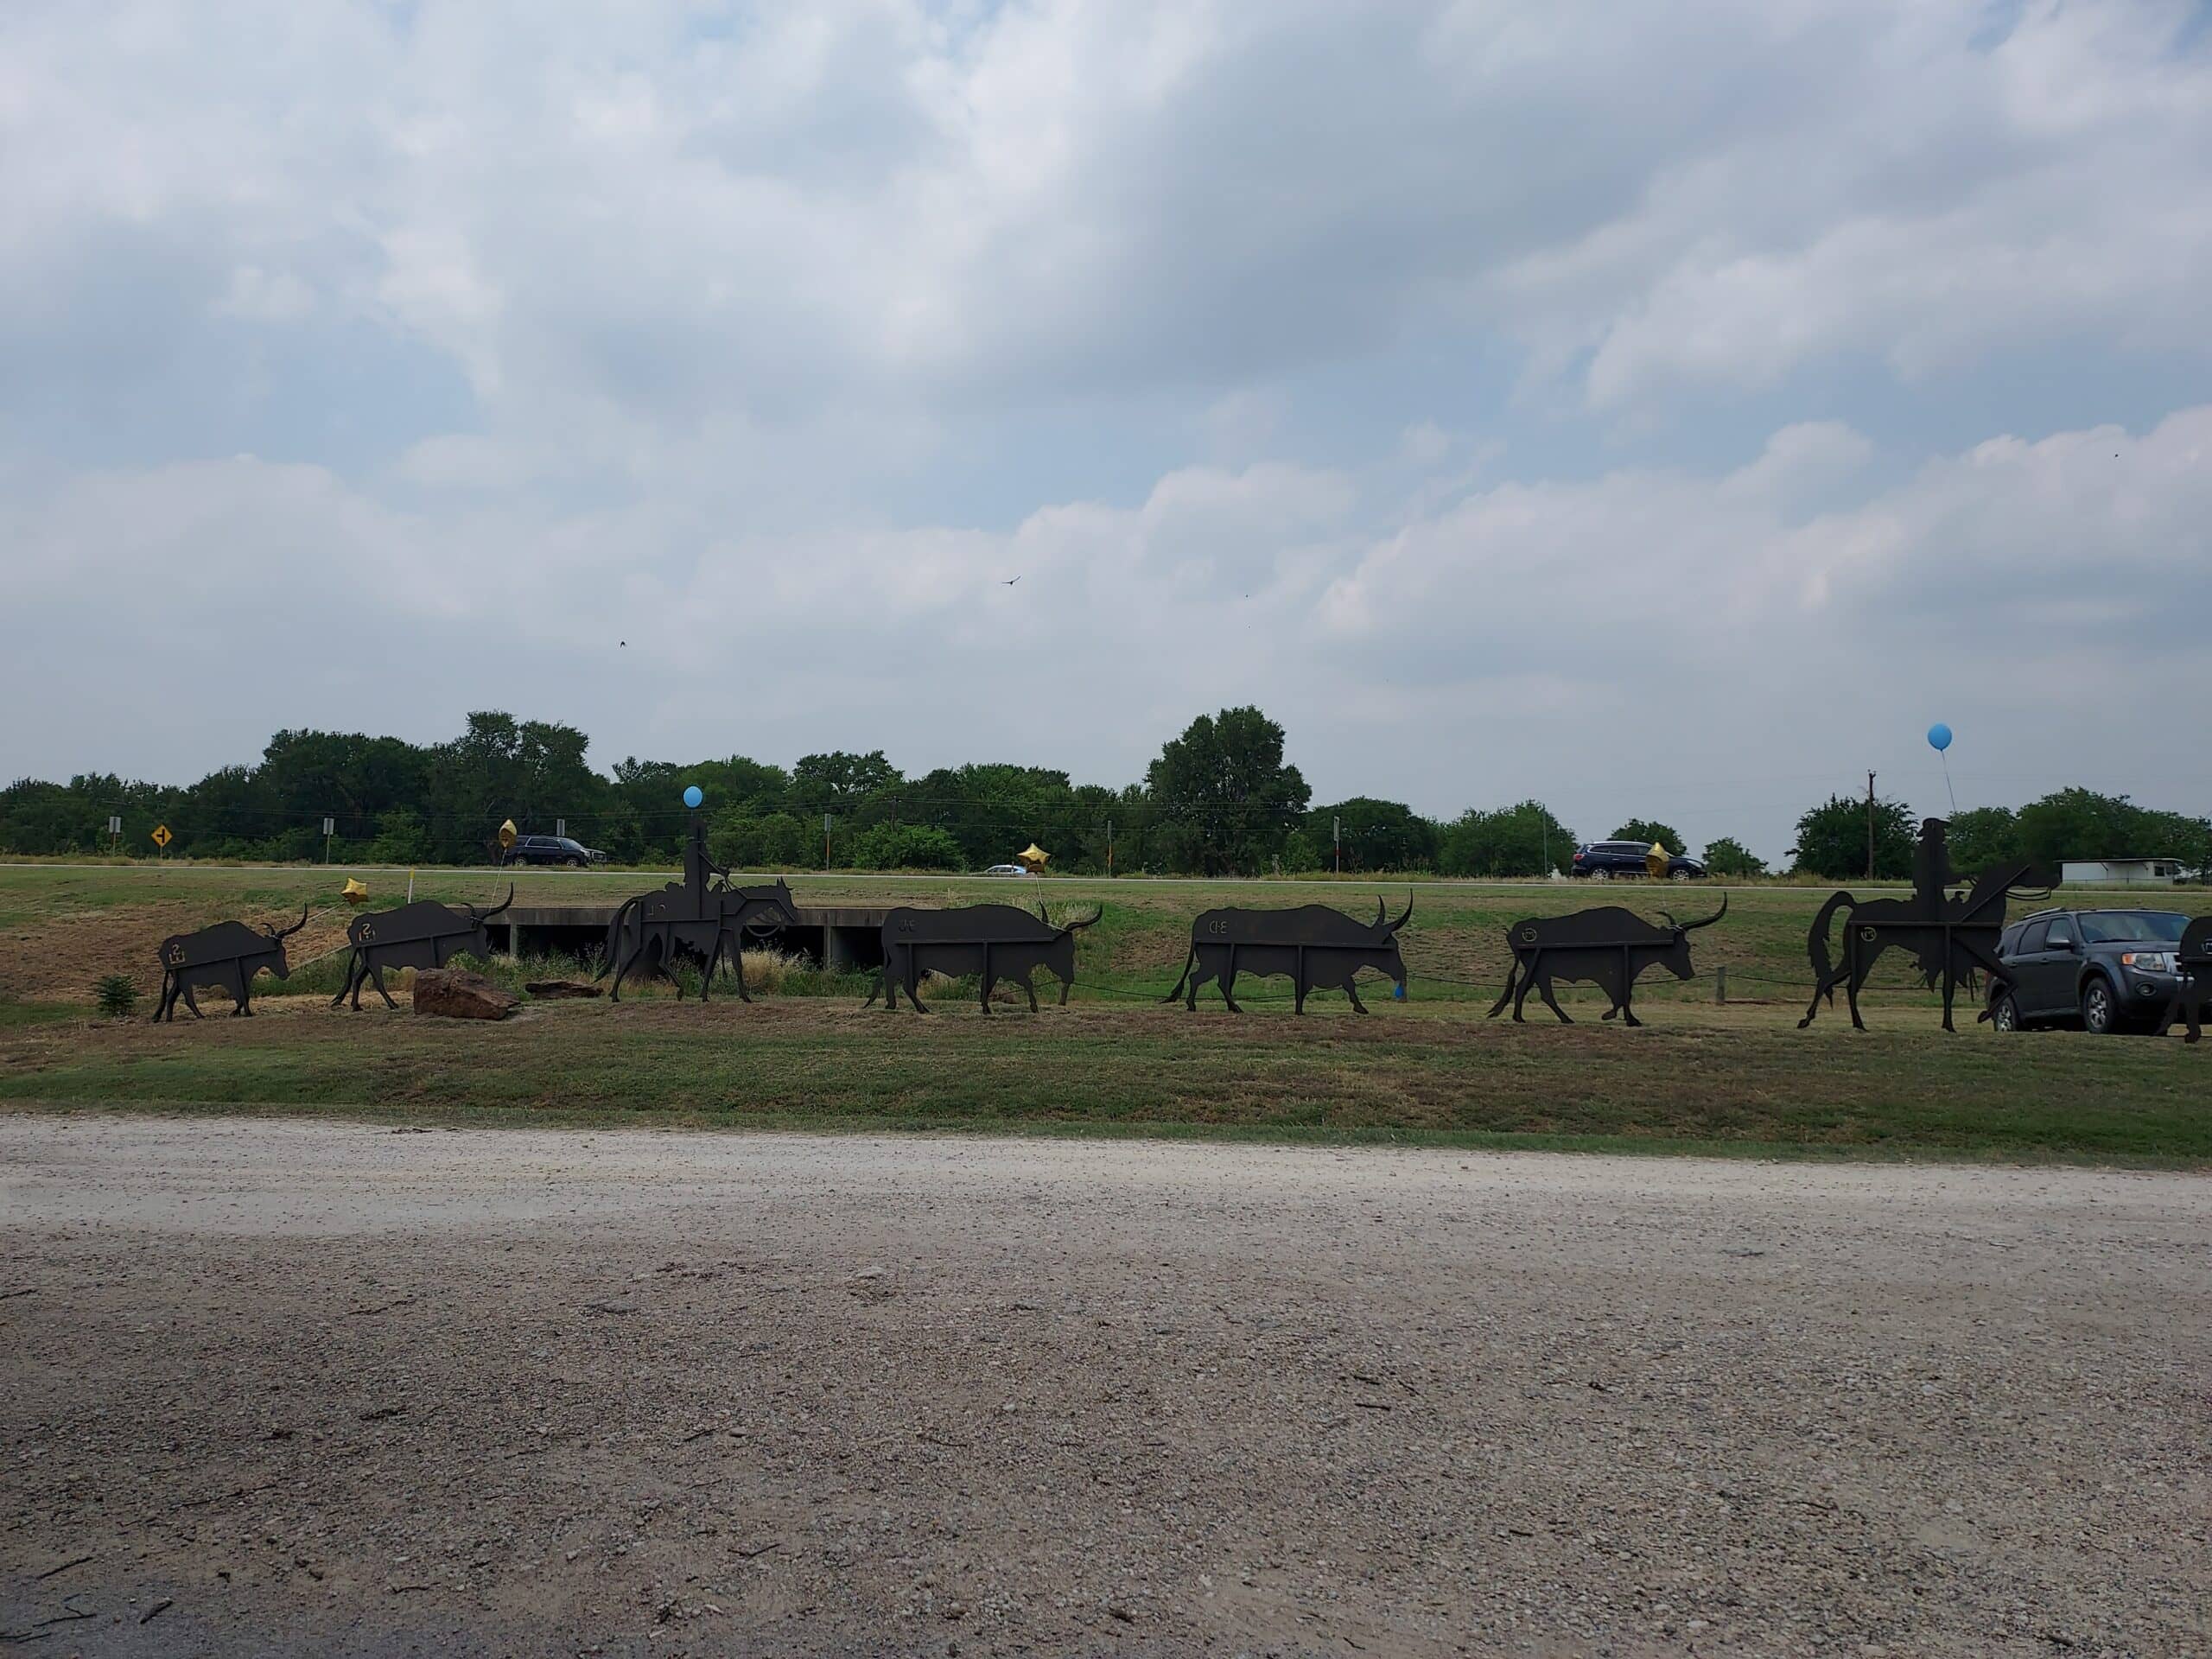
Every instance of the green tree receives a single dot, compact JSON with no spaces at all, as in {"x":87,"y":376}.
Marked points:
{"x":1648,"y":830}
{"x":1983,"y":836}
{"x":736,"y":782}
{"x":1831,"y":840}
{"x":1377,"y":836}
{"x":1302,"y":853}
{"x":400,"y":838}
{"x":747,"y":840}
{"x":1513,"y":841}
{"x":838,"y":782}
{"x":2082,"y":824}
{"x":906,"y":847}
{"x":1225,"y":798}
{"x":1726,"y":855}
{"x":616,"y":830}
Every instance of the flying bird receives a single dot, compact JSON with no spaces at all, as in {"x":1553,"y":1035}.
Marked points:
{"x":1009,"y":581}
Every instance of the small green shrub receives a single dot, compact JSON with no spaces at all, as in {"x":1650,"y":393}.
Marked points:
{"x":117,"y":996}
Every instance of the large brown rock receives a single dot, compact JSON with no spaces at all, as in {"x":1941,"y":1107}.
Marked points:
{"x":459,"y":994}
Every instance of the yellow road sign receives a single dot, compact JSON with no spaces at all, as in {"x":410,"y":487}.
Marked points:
{"x":162,"y":836}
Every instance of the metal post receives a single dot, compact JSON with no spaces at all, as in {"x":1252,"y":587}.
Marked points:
{"x":1110,"y":850}
{"x":1337,"y":840}
{"x":329,"y":826}
{"x":825,"y":841}
{"x":1870,"y":826}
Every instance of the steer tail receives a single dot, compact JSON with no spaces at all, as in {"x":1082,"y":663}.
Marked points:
{"x":614,"y":939}
{"x":1512,"y":979}
{"x":1817,"y":942}
{"x":1189,"y":962}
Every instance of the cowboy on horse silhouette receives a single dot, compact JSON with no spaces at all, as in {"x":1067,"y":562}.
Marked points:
{"x":1949,"y":937}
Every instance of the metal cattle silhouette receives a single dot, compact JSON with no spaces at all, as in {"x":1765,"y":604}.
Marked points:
{"x":700,"y":918}
{"x":1607,"y":947}
{"x":224,"y":957}
{"x":1950,"y":939}
{"x":2193,"y":961}
{"x":424,"y":934}
{"x":993,"y":941}
{"x":1319,"y":948}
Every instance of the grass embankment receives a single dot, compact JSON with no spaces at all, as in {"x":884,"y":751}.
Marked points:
{"x":60,"y":926}
{"x":1699,"y":1078}
{"x":1705,"y":1080}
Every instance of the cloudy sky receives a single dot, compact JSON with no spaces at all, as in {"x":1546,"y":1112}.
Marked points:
{"x":1656,"y":409}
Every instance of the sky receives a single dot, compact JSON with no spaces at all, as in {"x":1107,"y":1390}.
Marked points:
{"x":1659,"y":410}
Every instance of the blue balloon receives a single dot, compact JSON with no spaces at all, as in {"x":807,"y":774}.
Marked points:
{"x":692,"y":797}
{"x":1939,"y":737}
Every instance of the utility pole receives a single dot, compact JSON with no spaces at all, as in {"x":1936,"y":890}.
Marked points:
{"x":1870,"y":826}
{"x":825,"y":841}
{"x":1336,"y":838}
{"x":1110,"y":850}
{"x":328,"y":825}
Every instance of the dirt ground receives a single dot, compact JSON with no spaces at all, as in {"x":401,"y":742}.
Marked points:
{"x":284,"y":1388}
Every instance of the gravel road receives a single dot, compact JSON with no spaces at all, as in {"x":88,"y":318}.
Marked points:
{"x":282,"y":1387}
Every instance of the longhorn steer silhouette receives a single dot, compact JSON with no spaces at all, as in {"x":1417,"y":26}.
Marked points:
{"x":1319,"y":948}
{"x":996,"y":941}
{"x":1608,"y":947}
{"x":424,"y":934}
{"x":224,"y":957}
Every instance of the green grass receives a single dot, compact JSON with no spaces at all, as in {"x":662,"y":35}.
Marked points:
{"x":1698,"y":1077}
{"x":1725,"y":1080}
{"x":1454,"y":945}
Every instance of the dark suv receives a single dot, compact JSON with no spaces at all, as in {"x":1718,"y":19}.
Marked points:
{"x":2106,"y":970}
{"x":552,"y":849}
{"x":1603,"y":860}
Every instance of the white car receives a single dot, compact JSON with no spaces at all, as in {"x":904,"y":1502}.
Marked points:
{"x":1005,"y":870}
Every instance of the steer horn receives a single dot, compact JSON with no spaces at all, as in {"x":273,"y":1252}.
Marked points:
{"x":1408,"y":917}
{"x":476,"y":915}
{"x":1684,"y":927}
{"x":1077,"y":927}
{"x":293,"y":929}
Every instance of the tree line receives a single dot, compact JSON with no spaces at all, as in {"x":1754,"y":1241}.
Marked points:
{"x":1220,"y":799}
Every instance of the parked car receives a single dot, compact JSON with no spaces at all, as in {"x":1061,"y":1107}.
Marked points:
{"x":1006,"y":869}
{"x":552,"y":849}
{"x":1601,"y":861}
{"x":2105,"y":970}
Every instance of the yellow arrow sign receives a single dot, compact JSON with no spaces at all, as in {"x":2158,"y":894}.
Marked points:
{"x":162,"y":836}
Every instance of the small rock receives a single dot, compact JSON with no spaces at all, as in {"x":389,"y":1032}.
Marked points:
{"x":559,"y":987}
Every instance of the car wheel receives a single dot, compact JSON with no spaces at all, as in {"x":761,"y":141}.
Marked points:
{"x":574,"y":864}
{"x":2004,"y":1013}
{"x":2099,"y":1009}
{"x":1679,"y":875}
{"x":1601,"y":875}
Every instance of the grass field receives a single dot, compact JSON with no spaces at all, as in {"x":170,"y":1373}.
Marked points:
{"x":1700,"y":1077}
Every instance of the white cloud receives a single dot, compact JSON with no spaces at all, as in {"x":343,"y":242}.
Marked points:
{"x":1591,"y":641}
{"x":773,"y":339}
